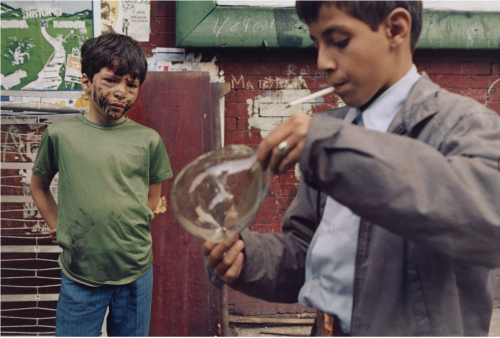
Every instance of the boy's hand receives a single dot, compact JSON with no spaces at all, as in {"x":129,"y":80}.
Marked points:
{"x":294,"y":131}
{"x":53,"y":236}
{"x":226,"y":258}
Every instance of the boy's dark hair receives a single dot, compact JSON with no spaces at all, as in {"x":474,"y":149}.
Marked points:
{"x":370,"y":12}
{"x":115,"y":51}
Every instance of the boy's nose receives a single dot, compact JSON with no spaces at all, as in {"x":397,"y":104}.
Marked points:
{"x":120,"y":91}
{"x":325,"y":61}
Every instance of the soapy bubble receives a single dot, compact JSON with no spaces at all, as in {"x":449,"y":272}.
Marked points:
{"x":218,"y":194}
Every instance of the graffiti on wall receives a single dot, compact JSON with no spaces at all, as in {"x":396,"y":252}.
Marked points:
{"x":244,"y":26}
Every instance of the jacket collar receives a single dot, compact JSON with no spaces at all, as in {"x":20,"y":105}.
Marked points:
{"x":420,"y":104}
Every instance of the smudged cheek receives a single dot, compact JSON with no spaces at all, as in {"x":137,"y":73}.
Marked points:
{"x":101,"y":97}
{"x":103,"y":101}
{"x":132,"y":97}
{"x":128,"y":105}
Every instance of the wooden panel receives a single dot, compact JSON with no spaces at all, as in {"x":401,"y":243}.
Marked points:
{"x":178,"y":107}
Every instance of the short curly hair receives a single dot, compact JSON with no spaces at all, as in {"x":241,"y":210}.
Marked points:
{"x":115,"y":51}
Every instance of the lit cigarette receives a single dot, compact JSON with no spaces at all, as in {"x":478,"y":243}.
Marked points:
{"x":311,"y":97}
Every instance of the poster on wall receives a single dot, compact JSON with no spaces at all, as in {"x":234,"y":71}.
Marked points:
{"x":128,"y":17}
{"x":41,"y":42}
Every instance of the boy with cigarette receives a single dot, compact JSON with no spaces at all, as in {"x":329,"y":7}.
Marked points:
{"x":110,"y":175}
{"x":395,"y":227}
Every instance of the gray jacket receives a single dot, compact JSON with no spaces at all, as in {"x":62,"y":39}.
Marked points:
{"x":428,"y":193}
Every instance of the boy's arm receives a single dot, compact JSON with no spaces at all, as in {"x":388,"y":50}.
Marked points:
{"x":446,"y":199}
{"x":47,"y":206}
{"x":274,"y":265}
{"x":154,"y":195}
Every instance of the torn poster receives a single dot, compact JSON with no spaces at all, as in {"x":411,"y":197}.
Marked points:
{"x":128,"y":17}
{"x":38,"y":38}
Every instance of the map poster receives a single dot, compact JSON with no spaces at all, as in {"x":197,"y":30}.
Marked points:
{"x":73,"y":69}
{"x":41,"y":43}
{"x":128,"y":17}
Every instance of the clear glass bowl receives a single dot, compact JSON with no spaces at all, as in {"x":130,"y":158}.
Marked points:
{"x":218,"y":194}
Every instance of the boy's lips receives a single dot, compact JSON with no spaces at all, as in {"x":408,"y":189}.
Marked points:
{"x":117,"y":105}
{"x":338,"y":87}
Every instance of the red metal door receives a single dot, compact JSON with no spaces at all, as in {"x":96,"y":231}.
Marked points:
{"x":179,"y":107}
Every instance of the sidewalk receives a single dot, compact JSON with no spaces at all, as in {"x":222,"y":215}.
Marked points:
{"x":273,"y":326}
{"x":495,"y":323}
{"x":269,"y":327}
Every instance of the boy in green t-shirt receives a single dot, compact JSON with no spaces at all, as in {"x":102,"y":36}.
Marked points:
{"x":110,"y":173}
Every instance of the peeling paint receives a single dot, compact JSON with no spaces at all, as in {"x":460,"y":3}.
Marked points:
{"x":266,"y":111}
{"x":29,"y":208}
{"x":24,"y":145}
{"x":162,"y":206}
{"x":192,"y":63}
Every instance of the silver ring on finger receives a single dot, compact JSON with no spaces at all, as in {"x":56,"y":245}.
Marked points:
{"x":283,"y":148}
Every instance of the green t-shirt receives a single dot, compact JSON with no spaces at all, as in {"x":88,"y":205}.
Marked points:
{"x":104,"y":177}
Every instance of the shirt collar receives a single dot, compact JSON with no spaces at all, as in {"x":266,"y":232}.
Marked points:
{"x":379,"y":115}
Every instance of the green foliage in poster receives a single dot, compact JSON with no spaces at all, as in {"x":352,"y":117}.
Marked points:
{"x":39,"y":41}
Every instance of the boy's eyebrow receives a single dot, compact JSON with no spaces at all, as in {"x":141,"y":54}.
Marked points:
{"x":333,"y":29}
{"x":133,"y":79}
{"x":114,"y":75}
{"x":330,"y":30}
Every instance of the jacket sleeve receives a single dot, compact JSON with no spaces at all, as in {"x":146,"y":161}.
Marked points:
{"x":445,"y":197}
{"x":274,"y":267}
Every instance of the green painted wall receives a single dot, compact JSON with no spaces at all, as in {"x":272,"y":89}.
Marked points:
{"x":203,"y":24}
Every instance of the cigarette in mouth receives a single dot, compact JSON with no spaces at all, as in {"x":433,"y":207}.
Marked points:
{"x":311,"y":97}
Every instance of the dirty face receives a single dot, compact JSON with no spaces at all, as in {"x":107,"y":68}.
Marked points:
{"x":110,"y":95}
{"x":355,"y":58}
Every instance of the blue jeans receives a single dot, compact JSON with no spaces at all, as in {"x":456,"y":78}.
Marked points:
{"x":81,"y":309}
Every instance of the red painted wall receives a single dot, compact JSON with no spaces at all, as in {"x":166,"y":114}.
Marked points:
{"x":253,"y":72}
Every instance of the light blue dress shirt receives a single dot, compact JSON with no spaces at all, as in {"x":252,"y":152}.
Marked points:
{"x":331,"y":255}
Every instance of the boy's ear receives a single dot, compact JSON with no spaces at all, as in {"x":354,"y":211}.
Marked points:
{"x":399,"y":27}
{"x":85,"y":83}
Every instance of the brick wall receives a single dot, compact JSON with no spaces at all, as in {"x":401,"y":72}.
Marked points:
{"x":162,"y":26}
{"x":258,"y":76}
